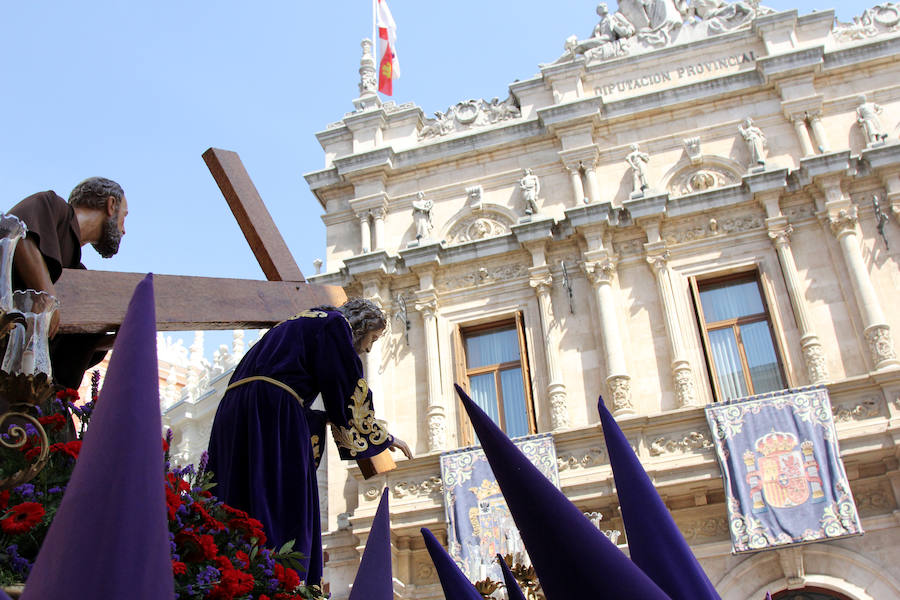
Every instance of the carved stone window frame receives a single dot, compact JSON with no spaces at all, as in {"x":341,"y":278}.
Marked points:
{"x":517,"y":320}
{"x":753,"y":273}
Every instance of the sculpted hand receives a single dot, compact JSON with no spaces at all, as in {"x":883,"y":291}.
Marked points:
{"x":402,"y":446}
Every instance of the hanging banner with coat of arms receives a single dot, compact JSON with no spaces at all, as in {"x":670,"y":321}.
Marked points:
{"x":480,"y":525}
{"x":784,"y":479}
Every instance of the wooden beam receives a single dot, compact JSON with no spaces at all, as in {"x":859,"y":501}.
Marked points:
{"x":95,"y":301}
{"x":252,"y":216}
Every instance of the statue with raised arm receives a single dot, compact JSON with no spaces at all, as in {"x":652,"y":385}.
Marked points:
{"x":638,"y":162}
{"x":422,"y":215}
{"x":756,"y":142}
{"x":531,"y":187}
{"x":867,"y":117}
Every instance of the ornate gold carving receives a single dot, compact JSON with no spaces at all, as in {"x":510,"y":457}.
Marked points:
{"x":365,"y":429}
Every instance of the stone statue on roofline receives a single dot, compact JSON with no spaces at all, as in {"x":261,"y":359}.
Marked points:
{"x":756,"y":143}
{"x":422,"y":216}
{"x":531,"y":187}
{"x":867,"y":116}
{"x":638,"y":162}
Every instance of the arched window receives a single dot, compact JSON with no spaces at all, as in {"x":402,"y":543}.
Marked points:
{"x":809,"y":593}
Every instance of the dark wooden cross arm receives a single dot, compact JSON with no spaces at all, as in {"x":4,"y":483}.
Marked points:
{"x":95,"y":301}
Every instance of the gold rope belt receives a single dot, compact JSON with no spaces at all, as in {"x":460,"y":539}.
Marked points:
{"x":283,"y":386}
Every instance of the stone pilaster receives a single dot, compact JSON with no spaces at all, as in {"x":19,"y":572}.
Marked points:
{"x":577,"y":185}
{"x":799,"y":122}
{"x":600,"y":271}
{"x":542,"y":282}
{"x":426,"y":303}
{"x":365,"y":232}
{"x":818,"y":131}
{"x":813,"y":356}
{"x":378,"y":223}
{"x":843,"y":221}
{"x":682,"y":374}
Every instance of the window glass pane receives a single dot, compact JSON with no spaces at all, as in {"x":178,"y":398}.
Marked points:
{"x":728,"y":363}
{"x":730,"y":300}
{"x":760,"y":351}
{"x":491,"y":348}
{"x":485,"y":395}
{"x":514,"y":411}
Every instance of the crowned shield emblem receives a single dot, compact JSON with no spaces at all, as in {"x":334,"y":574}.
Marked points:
{"x":784,"y":476}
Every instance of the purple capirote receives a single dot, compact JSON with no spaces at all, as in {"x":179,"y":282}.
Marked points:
{"x":374,"y":580}
{"x":572,"y":558}
{"x":113,"y":514}
{"x":455,"y":585}
{"x":513,"y":591}
{"x":655,"y":543}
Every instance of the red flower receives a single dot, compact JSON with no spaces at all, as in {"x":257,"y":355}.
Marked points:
{"x":32,"y":447}
{"x":22,"y":518}
{"x":208,"y":521}
{"x":250,"y":527}
{"x":288,"y":577}
{"x":196,"y":548}
{"x":54,"y":422}
{"x":71,"y":448}
{"x":173,"y":501}
{"x":242,"y":558}
{"x":68,"y":394}
{"x":178,"y":568}
{"x":233,"y":584}
{"x":165,"y":445}
{"x":263,"y":597}
{"x":4,"y":498}
{"x":180,"y":486}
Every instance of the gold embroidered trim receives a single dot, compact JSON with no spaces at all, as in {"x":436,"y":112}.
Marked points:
{"x":365,"y":429}
{"x":314,"y":440}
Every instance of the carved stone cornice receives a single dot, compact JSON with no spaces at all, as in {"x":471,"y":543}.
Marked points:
{"x":585,"y":156}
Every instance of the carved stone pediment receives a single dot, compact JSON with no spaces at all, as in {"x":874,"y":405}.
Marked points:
{"x":469,"y":114}
{"x":880,"y":19}
{"x":700,"y":179}
{"x":483,"y":224}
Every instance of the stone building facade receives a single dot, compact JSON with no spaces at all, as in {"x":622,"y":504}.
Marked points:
{"x":693,"y":204}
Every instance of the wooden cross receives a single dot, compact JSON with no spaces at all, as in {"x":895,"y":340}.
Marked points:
{"x":95,"y":301}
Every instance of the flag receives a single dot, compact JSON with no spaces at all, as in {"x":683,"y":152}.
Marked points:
{"x":649,"y":525}
{"x":572,"y":558}
{"x":374,"y":580}
{"x":110,"y":537}
{"x":388,"y":65}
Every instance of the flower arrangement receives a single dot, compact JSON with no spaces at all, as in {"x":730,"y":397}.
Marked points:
{"x":218,"y":552}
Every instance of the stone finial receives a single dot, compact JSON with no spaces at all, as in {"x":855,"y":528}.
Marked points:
{"x":317,"y":264}
{"x":692,"y":147}
{"x":368,"y":82}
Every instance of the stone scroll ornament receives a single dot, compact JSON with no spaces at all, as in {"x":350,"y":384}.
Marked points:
{"x":470,"y":114}
{"x":784,"y":478}
{"x":881,"y":19}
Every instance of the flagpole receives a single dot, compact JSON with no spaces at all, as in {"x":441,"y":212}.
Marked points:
{"x":374,"y":28}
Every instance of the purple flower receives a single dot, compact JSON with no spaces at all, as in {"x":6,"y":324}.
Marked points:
{"x":26,"y":490}
{"x":204,"y":460}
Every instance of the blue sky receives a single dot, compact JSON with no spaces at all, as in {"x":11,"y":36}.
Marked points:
{"x":137,"y":91}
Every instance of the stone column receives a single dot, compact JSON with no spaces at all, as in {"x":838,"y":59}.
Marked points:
{"x":813,"y":356}
{"x":577,"y":185}
{"x":683,"y":377}
{"x":436,"y":415}
{"x":365,"y":233}
{"x":378,"y":219}
{"x":799,"y":123}
{"x":542,"y":282}
{"x":618,"y":383}
{"x":590,"y":174}
{"x":877,"y":331}
{"x":818,"y":131}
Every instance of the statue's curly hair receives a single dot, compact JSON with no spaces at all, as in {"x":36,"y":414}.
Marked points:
{"x":364,"y":316}
{"x":93,"y":192}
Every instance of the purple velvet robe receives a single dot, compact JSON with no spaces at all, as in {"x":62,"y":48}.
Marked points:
{"x":265,"y":446}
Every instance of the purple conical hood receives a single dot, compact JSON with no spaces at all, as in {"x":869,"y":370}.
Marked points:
{"x":649,"y":525}
{"x":110,"y":537}
{"x":570,"y":555}
{"x":513,"y":591}
{"x":374,"y":579}
{"x":456,"y":585}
